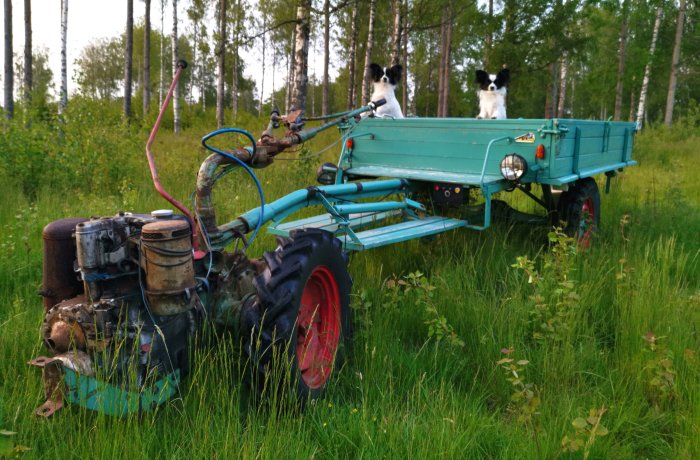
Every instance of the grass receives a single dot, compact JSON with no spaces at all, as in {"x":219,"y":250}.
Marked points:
{"x":402,"y":393}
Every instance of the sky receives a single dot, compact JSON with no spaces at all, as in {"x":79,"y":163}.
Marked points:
{"x":90,"y":20}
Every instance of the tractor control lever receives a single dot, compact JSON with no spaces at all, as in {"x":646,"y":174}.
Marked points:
{"x":374,"y":104}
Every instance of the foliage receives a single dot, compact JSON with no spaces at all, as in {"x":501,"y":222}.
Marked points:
{"x":554,"y":302}
{"x":586,"y":431}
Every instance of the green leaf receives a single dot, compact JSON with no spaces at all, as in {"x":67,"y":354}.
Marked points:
{"x":579,"y":423}
{"x":601,"y":431}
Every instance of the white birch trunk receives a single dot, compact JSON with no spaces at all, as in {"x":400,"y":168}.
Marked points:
{"x":396,"y":34}
{"x":63,"y":98}
{"x":176,"y":92}
{"x":301,"y":55}
{"x":563,"y":74}
{"x":9,"y":102}
{"x":326,"y":54}
{"x":161,"y":78}
{"x":352,"y":58}
{"x":128,"y":57}
{"x":221,"y":65}
{"x":147,"y":59}
{"x":622,"y":56}
{"x":647,"y":70}
{"x":262,"y":76}
{"x":673,"y":78}
{"x":368,"y":52}
{"x":28,"y":80}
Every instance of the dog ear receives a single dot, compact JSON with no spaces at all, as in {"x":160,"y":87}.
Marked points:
{"x":481,"y":77}
{"x":396,"y":70}
{"x":503,"y":77}
{"x":375,"y":71}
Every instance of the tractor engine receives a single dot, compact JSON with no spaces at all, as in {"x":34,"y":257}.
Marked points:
{"x":123,"y":299}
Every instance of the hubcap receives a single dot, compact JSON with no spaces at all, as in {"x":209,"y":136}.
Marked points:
{"x":587,"y":223}
{"x":318,"y":327}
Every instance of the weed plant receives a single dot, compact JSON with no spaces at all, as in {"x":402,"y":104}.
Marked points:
{"x":422,"y":379}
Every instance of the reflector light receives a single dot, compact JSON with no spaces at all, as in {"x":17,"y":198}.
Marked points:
{"x":539,"y":152}
{"x":349,"y":144}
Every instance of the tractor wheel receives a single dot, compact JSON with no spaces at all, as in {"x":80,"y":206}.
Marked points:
{"x":579,"y":207}
{"x":298,"y":325}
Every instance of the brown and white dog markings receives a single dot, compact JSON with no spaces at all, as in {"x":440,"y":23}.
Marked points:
{"x":492,"y":94}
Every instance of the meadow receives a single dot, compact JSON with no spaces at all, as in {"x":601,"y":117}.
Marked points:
{"x":507,"y":343}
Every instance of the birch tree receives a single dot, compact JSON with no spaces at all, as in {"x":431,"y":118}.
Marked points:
{"x":221,"y":65}
{"x":9,"y":103}
{"x":161,"y":77}
{"x":147,"y":59}
{"x":622,"y":56}
{"x":301,"y":55}
{"x":176,"y":93}
{"x":647,"y":69}
{"x":352,"y":58}
{"x":445,"y":53}
{"x":326,"y":55}
{"x":396,"y":34}
{"x":673,"y":78}
{"x":563,"y":75}
{"x":368,"y":52}
{"x":28,"y":76}
{"x":128,"y":57}
{"x":63,"y":99}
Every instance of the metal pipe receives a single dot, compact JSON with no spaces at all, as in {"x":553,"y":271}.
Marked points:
{"x":152,"y":164}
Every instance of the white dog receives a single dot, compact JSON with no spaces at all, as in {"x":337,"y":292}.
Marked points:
{"x":385,"y":81}
{"x":492,"y":94}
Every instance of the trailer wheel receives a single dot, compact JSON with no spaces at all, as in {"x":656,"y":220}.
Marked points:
{"x":295,"y":331}
{"x":579,"y":207}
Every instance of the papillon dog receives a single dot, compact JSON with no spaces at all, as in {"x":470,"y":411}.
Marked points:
{"x":492,"y":94}
{"x":385,"y":81}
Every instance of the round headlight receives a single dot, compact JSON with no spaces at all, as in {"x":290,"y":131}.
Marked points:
{"x":513,"y":167}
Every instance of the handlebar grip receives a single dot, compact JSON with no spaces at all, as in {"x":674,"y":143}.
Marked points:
{"x":379,"y":103}
{"x":182,"y":64}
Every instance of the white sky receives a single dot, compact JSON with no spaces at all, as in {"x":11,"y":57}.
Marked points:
{"x":89,"y":20}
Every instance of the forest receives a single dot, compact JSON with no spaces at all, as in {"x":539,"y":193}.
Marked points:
{"x":511,"y":343}
{"x":625,"y":60}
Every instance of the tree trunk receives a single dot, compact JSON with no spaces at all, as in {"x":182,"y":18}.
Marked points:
{"x":326,"y":54}
{"x":176,"y":92}
{"x":235,"y":99}
{"x":161,"y":80}
{"x":396,"y":34}
{"x":404,"y":74}
{"x":9,"y":103}
{"x":28,"y":80}
{"x":368,"y":52}
{"x":262,"y":70}
{"x":352,"y":58}
{"x":622,"y":56}
{"x":221,"y":60}
{"x":489,"y":36}
{"x":128,"y":57}
{"x":63,"y":99}
{"x":647,"y":69}
{"x":670,"y":98}
{"x":147,"y":59}
{"x":444,"y":66}
{"x":550,"y":103}
{"x":563,"y":71}
{"x":290,"y":73}
{"x":301,"y":55}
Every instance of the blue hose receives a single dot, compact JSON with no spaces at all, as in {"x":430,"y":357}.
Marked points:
{"x":245,"y":166}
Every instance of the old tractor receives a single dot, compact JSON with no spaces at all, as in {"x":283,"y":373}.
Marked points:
{"x":125,"y":295}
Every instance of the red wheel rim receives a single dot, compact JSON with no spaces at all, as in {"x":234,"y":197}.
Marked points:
{"x":318,"y":327}
{"x":587,"y":223}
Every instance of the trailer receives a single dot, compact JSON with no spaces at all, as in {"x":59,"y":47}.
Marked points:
{"x":118,"y":333}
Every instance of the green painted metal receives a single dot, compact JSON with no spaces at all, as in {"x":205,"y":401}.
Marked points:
{"x":101,"y":396}
{"x":469,"y":151}
{"x":404,"y":231}
{"x":328,"y":222}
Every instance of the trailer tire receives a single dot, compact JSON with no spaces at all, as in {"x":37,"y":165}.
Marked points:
{"x":579,"y":208}
{"x":296,"y":330}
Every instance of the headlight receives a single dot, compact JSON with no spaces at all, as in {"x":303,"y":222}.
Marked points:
{"x":513,"y":167}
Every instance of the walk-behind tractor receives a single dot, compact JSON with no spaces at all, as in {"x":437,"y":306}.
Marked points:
{"x":126,"y":294}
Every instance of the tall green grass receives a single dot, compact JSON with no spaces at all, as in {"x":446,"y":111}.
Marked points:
{"x":401,"y":393}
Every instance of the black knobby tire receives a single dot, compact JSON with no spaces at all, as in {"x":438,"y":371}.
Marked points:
{"x":579,"y":208}
{"x":294,"y":333}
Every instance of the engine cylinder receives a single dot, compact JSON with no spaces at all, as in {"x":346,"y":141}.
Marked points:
{"x":166,"y":257}
{"x":60,"y":281}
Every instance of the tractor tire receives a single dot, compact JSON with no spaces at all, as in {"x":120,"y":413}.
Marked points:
{"x":579,"y":208}
{"x":295,"y":331}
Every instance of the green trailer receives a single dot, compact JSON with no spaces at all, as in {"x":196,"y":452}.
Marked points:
{"x":118,"y":334}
